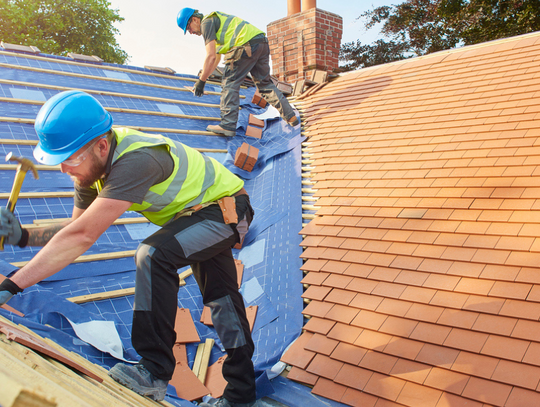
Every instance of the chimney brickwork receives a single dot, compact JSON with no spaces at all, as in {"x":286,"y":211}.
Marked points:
{"x":304,"y":41}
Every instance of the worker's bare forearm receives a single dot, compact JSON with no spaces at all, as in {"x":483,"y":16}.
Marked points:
{"x":41,"y":236}
{"x":208,"y":68}
{"x":210,"y":61}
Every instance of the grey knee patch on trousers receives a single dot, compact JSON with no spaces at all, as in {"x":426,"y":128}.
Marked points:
{"x":202,"y":235}
{"x":143,"y":278}
{"x":227,"y":323}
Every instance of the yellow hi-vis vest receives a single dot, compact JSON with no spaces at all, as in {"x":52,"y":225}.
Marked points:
{"x":233,"y":31}
{"x":195,"y":179}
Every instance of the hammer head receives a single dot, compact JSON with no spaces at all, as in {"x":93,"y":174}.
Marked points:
{"x":24,"y":164}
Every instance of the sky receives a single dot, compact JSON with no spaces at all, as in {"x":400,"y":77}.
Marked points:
{"x":150,"y":36}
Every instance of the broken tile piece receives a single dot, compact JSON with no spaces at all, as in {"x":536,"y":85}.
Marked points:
{"x":185,"y":327}
{"x":253,"y":121}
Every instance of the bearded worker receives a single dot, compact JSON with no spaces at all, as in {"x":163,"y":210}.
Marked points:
{"x":116,"y":170}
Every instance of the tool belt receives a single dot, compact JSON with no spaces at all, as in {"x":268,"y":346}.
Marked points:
{"x":234,"y":54}
{"x":227,"y":205}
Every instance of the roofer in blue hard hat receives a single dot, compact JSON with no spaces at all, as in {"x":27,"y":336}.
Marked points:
{"x":245,"y":49}
{"x":203,"y":211}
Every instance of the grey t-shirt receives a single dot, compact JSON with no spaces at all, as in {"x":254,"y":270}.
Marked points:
{"x":209,"y":28}
{"x":130,"y":177}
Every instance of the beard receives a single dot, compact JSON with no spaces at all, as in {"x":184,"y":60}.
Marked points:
{"x":97,"y":170}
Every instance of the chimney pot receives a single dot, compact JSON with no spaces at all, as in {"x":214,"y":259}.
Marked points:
{"x":308,"y":4}
{"x":293,"y":7}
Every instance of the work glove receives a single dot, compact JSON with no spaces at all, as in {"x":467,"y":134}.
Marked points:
{"x":7,"y":290}
{"x":198,"y":89}
{"x":10,"y":228}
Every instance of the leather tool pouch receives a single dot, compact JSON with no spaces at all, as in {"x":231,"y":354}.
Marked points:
{"x":228,"y":208}
{"x":235,"y":54}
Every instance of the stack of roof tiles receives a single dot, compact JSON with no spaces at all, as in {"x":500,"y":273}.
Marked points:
{"x":423,"y":263}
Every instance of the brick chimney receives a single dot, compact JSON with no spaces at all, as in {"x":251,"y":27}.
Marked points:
{"x":307,"y":39}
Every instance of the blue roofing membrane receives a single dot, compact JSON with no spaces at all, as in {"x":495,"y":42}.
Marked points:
{"x":271,"y":250}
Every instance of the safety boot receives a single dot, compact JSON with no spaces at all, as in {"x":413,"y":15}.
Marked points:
{"x":293,"y":121}
{"x":216,"y":128}
{"x":140,"y":380}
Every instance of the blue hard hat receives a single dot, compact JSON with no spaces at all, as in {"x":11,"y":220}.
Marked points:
{"x":66,"y":122}
{"x":183,"y":18}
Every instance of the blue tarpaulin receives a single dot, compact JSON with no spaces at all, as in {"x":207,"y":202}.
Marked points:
{"x":271,"y":250}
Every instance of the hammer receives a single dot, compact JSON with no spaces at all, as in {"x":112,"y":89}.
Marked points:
{"x":24,"y":165}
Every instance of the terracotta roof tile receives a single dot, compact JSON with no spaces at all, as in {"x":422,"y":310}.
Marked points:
{"x":384,"y":274}
{"x":526,"y":330}
{"x":428,"y":229}
{"x":487,"y":391}
{"x":446,"y":380}
{"x":437,"y":266}
{"x":466,"y":340}
{"x":398,"y":326}
{"x":449,"y":299}
{"x":296,"y":355}
{"x":353,"y":377}
{"x":528,"y":275}
{"x":458,"y":318}
{"x":394,"y":307}
{"x":404,"y":348}
{"x":329,"y":389}
{"x":356,"y":398}
{"x":314,"y":278}
{"x":450,"y":400}
{"x":342,"y":297}
{"x":358,"y":270}
{"x":430,"y":333}
{"x":510,"y":290}
{"x":475,"y":365}
{"x":385,"y":386}
{"x":372,"y":340}
{"x":319,"y":325}
{"x":302,"y":376}
{"x":437,"y":356}
{"x":335,"y":266}
{"x":478,"y":303}
{"x":317,"y":309}
{"x":389,"y":290}
{"x":500,"y":272}
{"x":518,"y":374}
{"x":419,"y":396}
{"x":520,"y":309}
{"x":345,"y":333}
{"x":494,"y":324}
{"x":324,"y":366}
{"x":316,"y":292}
{"x":521,"y":397}
{"x":365,"y":301}
{"x":411,"y":371}
{"x":342,"y":313}
{"x":338,"y":281}
{"x":426,"y":313}
{"x":313,"y":265}
{"x":348,"y":353}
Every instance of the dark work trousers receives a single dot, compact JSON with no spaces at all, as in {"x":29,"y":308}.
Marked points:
{"x":233,"y":76}
{"x":203,"y":241}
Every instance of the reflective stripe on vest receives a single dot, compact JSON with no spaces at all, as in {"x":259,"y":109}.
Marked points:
{"x":195,"y":178}
{"x":233,"y":31}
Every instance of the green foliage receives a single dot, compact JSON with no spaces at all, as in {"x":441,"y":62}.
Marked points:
{"x":419,"y":27}
{"x":380,"y":52}
{"x":62,"y":26}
